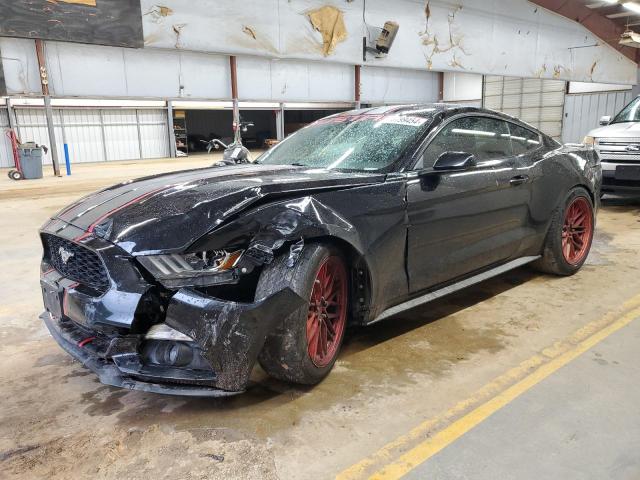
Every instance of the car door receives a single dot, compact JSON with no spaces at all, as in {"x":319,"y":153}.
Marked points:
{"x":459,"y":220}
{"x":538,"y":192}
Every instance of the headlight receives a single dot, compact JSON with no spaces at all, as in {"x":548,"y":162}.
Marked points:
{"x":202,"y":269}
{"x":589,"y":141}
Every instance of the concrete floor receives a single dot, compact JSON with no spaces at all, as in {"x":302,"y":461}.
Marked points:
{"x":57,"y":421}
{"x":582,"y":422}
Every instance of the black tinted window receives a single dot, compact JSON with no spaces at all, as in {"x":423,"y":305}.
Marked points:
{"x":484,"y":137}
{"x":523,"y":140}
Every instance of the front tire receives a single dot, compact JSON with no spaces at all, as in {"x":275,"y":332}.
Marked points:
{"x":570,"y":234}
{"x":304,"y":347}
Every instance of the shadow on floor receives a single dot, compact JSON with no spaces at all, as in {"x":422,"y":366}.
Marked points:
{"x":267,"y":395}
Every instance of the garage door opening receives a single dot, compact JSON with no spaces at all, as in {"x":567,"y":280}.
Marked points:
{"x":200,"y":126}
{"x":294,"y":120}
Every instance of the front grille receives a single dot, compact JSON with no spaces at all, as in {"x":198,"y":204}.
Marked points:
{"x":613,"y":182}
{"x":82,"y":265}
{"x":616,"y":150}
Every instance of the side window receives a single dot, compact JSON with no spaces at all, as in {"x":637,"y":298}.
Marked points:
{"x":486,"y":138}
{"x":523,"y":139}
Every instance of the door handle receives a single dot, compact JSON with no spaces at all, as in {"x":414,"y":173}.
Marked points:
{"x":519,"y":180}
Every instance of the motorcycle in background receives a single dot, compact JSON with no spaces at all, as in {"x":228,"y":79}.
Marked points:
{"x":233,"y":153}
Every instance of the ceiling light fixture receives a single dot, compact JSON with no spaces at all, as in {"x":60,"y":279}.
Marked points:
{"x":630,"y":39}
{"x":634,"y":7}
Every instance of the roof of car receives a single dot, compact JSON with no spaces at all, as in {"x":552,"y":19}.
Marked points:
{"x":423,"y":109}
{"x":428,"y":110}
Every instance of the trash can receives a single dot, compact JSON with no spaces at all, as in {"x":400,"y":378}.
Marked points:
{"x":30,"y":160}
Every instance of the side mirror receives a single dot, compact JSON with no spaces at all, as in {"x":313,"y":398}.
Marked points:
{"x":455,"y":161}
{"x":606,"y":120}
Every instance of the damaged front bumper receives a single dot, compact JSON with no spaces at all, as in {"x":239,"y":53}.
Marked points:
{"x":227,"y":336}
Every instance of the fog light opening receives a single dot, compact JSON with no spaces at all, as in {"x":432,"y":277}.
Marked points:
{"x":167,"y":353}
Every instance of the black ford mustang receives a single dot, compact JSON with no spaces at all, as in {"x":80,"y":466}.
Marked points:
{"x":178,"y":283}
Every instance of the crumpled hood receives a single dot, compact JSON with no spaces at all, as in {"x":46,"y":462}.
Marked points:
{"x":168,"y":212}
{"x":623,"y":130}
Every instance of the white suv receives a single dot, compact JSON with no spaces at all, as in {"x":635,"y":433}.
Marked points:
{"x":618,"y":145}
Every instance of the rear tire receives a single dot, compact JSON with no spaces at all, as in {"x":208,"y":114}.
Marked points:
{"x":304,"y":347}
{"x":570,"y":235}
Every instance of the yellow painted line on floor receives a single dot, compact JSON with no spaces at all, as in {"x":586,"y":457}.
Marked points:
{"x":528,"y":373}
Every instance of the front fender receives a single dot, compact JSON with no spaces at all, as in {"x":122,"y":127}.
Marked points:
{"x":230,"y":334}
{"x":273,"y":225}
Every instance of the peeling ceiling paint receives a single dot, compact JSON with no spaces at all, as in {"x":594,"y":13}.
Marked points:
{"x":453,"y":43}
{"x":89,"y":3}
{"x":501,"y":37}
{"x":329,"y":21}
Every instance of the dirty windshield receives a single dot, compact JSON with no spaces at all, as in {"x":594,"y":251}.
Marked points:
{"x":350,"y":142}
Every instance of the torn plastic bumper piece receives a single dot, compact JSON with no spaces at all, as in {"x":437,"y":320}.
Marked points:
{"x":230,"y":334}
{"x":110,"y":372}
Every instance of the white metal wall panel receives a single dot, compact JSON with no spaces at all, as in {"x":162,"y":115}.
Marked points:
{"x":392,"y":85}
{"x":6,"y":153}
{"x":20,"y":65}
{"x":591,"y":87}
{"x":462,"y":88}
{"x":95,"y":135}
{"x":205,"y":75}
{"x":583,"y":111}
{"x":152,"y":74}
{"x":77,"y":69}
{"x":93,"y":70}
{"x":294,"y":80}
{"x":539,"y":102}
{"x":121,"y":134}
{"x":83,"y":132}
{"x":154,"y":133}
{"x":31,"y":124}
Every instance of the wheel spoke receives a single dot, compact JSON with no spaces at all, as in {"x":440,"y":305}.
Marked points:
{"x":578,"y":241}
{"x":331,"y":334}
{"x":312,"y":344}
{"x":326,"y":319}
{"x":566,"y":248}
{"x":329,"y":291}
{"x":323,"y":339}
{"x":331,"y":298}
{"x":577,"y":230}
{"x":313,"y":331}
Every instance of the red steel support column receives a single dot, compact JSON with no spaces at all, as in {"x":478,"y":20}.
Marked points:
{"x":357,"y":86}
{"x":44,"y":82}
{"x":234,"y":97}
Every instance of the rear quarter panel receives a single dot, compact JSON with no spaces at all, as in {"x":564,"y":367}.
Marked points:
{"x":555,"y":172}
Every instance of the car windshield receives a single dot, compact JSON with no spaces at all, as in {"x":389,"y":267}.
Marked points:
{"x":630,"y":113}
{"x":363,"y":142}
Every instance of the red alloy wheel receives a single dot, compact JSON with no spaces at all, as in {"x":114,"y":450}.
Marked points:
{"x":577,"y":230}
{"x":327,"y":315}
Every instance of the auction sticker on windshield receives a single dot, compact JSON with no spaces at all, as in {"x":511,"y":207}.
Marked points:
{"x":404,"y":120}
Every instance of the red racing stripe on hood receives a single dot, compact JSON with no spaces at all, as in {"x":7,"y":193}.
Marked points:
{"x":117,"y":209}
